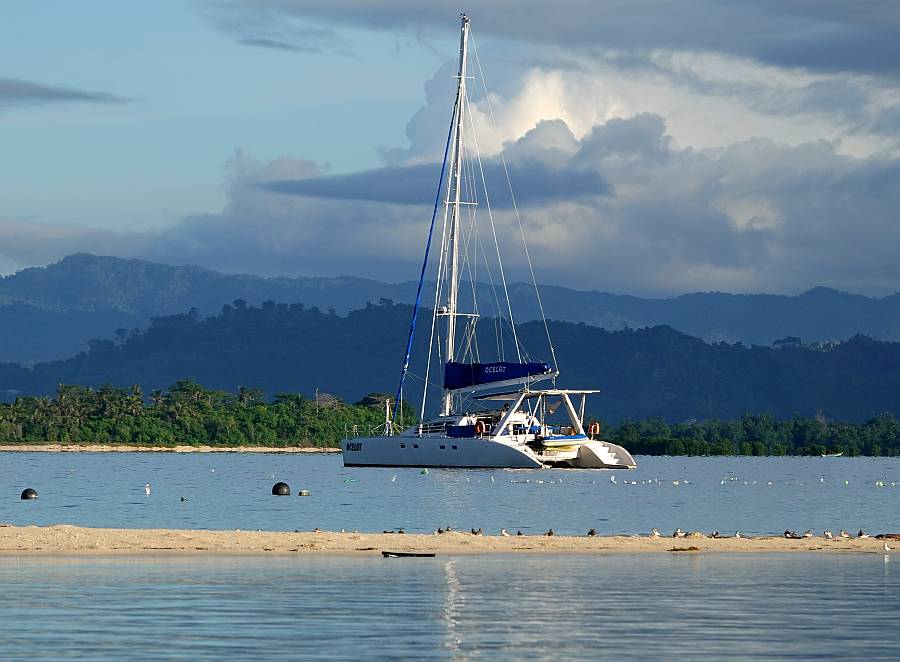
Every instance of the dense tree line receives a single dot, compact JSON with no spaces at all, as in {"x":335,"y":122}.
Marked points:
{"x":188,"y":413}
{"x":760,"y":435}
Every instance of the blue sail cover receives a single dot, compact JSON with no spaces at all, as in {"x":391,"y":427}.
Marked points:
{"x":463,"y":375}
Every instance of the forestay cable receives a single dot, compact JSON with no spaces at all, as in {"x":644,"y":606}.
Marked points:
{"x":412,"y":324}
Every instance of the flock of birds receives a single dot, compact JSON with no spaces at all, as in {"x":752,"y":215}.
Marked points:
{"x":732,"y":480}
{"x":676,"y":482}
{"x":680,"y":533}
{"x":790,"y":535}
{"x":503,"y":532}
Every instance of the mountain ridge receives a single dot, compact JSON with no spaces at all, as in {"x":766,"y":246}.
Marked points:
{"x":51,"y":312}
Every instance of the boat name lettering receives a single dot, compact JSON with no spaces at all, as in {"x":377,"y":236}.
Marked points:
{"x":494,"y":369}
{"x":354,"y":446}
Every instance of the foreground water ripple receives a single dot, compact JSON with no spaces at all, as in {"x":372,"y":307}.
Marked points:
{"x":740,"y":606}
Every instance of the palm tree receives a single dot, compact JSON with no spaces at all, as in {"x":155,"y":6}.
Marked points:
{"x":135,"y":401}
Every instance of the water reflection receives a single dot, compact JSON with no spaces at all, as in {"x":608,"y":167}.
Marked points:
{"x":453,"y":604}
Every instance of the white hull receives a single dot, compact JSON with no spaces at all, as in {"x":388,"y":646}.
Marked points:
{"x":437,"y":451}
{"x":477,"y":453}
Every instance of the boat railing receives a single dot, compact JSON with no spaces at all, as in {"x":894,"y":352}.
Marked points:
{"x":372,"y":431}
{"x":436,"y":427}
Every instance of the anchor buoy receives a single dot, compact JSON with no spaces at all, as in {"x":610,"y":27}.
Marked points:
{"x":594,"y":429}
{"x":480,"y":427}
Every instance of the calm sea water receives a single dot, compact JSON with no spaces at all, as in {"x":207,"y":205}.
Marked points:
{"x":521,"y":606}
{"x":498,"y":607}
{"x":229,"y":491}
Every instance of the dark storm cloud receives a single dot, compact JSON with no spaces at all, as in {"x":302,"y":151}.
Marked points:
{"x":15,"y":92}
{"x":416,"y":184}
{"x":821,"y":35}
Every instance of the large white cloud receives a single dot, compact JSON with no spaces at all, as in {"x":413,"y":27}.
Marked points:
{"x":717,"y":71}
{"x":756,"y":215}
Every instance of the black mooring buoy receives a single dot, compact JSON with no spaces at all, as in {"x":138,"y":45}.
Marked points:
{"x":29,"y":493}
{"x":281,"y":489}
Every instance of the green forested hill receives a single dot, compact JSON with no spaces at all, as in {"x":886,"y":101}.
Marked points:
{"x":653,"y":372}
{"x":51,"y":312}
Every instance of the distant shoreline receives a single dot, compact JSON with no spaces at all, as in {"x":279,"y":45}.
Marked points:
{"x":131,"y":448}
{"x":65,"y":539}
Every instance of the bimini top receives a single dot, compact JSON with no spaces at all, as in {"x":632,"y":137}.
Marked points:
{"x":465,"y":375}
{"x":547,"y":392}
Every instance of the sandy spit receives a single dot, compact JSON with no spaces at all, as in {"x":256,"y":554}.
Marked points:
{"x":126,"y":448}
{"x":67,"y":539}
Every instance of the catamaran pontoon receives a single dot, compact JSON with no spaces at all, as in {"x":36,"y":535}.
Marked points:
{"x":468,"y":432}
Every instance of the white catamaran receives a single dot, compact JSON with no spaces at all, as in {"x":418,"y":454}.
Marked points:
{"x":473,"y":429}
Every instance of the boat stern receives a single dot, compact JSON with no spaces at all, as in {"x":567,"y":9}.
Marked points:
{"x":602,"y":455}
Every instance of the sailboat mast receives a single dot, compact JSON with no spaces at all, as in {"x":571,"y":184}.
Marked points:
{"x":456,"y":175}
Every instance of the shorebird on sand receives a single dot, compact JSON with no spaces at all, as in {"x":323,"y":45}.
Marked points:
{"x":886,"y":548}
{"x":844,"y":534}
{"x":828,"y":535}
{"x":549,"y":532}
{"x":654,"y":532}
{"x":504,"y":532}
{"x":592,"y":532}
{"x":679,"y":533}
{"x":862,"y":534}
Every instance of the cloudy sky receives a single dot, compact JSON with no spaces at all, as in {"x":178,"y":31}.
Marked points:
{"x":655,"y":147}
